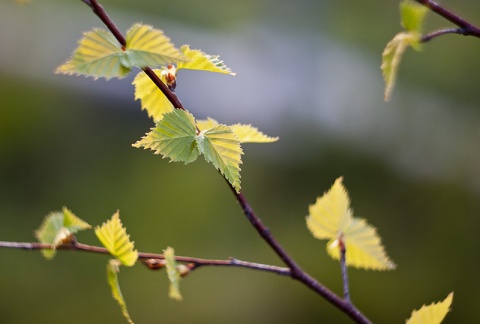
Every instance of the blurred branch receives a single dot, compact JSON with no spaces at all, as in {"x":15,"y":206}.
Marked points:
{"x":343,"y":264}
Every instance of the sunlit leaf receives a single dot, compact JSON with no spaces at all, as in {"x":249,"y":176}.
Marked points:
{"x":412,"y":15}
{"x":244,"y":133}
{"x":392,"y":56}
{"x":113,"y":267}
{"x":151,"y":97}
{"x":147,"y":46}
{"x":221,"y":147}
{"x":433,"y":313}
{"x":98,"y":55}
{"x":58,"y":228}
{"x":198,"y":60}
{"x":206,"y":124}
{"x":173,"y":274}
{"x":173,"y":137}
{"x":114,"y":237}
{"x":331,"y":218}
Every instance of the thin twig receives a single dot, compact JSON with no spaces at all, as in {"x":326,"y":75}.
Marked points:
{"x":440,"y":32}
{"x":343,"y":264}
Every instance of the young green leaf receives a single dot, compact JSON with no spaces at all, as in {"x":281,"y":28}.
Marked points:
{"x":151,"y":97}
{"x":221,"y":147}
{"x":392,"y":56}
{"x":331,"y":218}
{"x":244,"y":133}
{"x":147,"y":46}
{"x":433,"y":313}
{"x":58,"y":228}
{"x":98,"y":55}
{"x":198,"y":60}
{"x":173,"y":137}
{"x":113,"y":267}
{"x":173,"y":274}
{"x":412,"y":15}
{"x":114,"y":237}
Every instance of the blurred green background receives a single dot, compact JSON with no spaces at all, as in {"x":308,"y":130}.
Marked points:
{"x":307,"y":71}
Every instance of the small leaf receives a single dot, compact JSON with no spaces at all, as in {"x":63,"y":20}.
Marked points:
{"x":152,"y":98}
{"x":244,"y":133}
{"x":392,"y":56}
{"x":206,"y":124}
{"x":198,"y":60}
{"x":114,"y":237}
{"x":147,"y":46}
{"x":113,"y":267}
{"x":412,"y":15}
{"x":173,"y":274}
{"x":98,"y":55}
{"x":221,"y":147}
{"x":433,"y":313}
{"x":57,"y":228}
{"x":173,"y":137}
{"x":331,"y":218}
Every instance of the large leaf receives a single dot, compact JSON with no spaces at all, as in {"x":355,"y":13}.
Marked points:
{"x":198,"y":60}
{"x":58,"y":228}
{"x":151,"y":97}
{"x":244,"y":133}
{"x":392,"y":56}
{"x":221,"y":147}
{"x":113,"y":267}
{"x":412,"y":15}
{"x":433,"y":313}
{"x":98,"y":55}
{"x":173,"y":274}
{"x":114,"y":237}
{"x":147,"y":46}
{"x":173,"y":137}
{"x":331,"y":218}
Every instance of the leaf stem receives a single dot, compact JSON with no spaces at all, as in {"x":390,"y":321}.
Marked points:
{"x":343,"y":264}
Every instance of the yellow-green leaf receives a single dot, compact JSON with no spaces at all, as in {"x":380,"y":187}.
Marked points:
{"x":173,"y":137}
{"x":57,"y":228}
{"x":206,"y":124}
{"x":113,"y":267}
{"x":433,"y":313}
{"x":331,"y":218}
{"x":147,"y":46}
{"x":198,"y":60}
{"x":412,"y":15}
{"x":244,"y":133}
{"x":221,"y":147}
{"x":98,"y":55}
{"x":392,"y":56}
{"x":114,"y":237}
{"x":151,"y":97}
{"x":173,"y":274}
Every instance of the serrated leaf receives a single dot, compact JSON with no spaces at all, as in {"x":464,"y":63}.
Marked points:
{"x":412,"y":15}
{"x":114,"y":237}
{"x":173,"y":137}
{"x":433,"y":313}
{"x":221,"y":147}
{"x":198,"y":60}
{"x":58,"y":227}
{"x":392,"y":56}
{"x":98,"y":55}
{"x":152,"y":98}
{"x":331,"y":218}
{"x":173,"y":274}
{"x":113,"y":267}
{"x":244,"y":133}
{"x":147,"y":46}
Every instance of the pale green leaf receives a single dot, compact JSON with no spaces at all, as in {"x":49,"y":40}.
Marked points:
{"x":173,"y":137}
{"x":114,"y":237}
{"x":221,"y":147}
{"x":173,"y":274}
{"x":147,"y":46}
{"x":412,"y":15}
{"x":113,"y":267}
{"x":392,"y":56}
{"x":244,"y":133}
{"x":58,"y":228}
{"x":198,"y":60}
{"x":151,"y":97}
{"x":433,"y":313}
{"x":331,"y":218}
{"x":98,"y":55}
